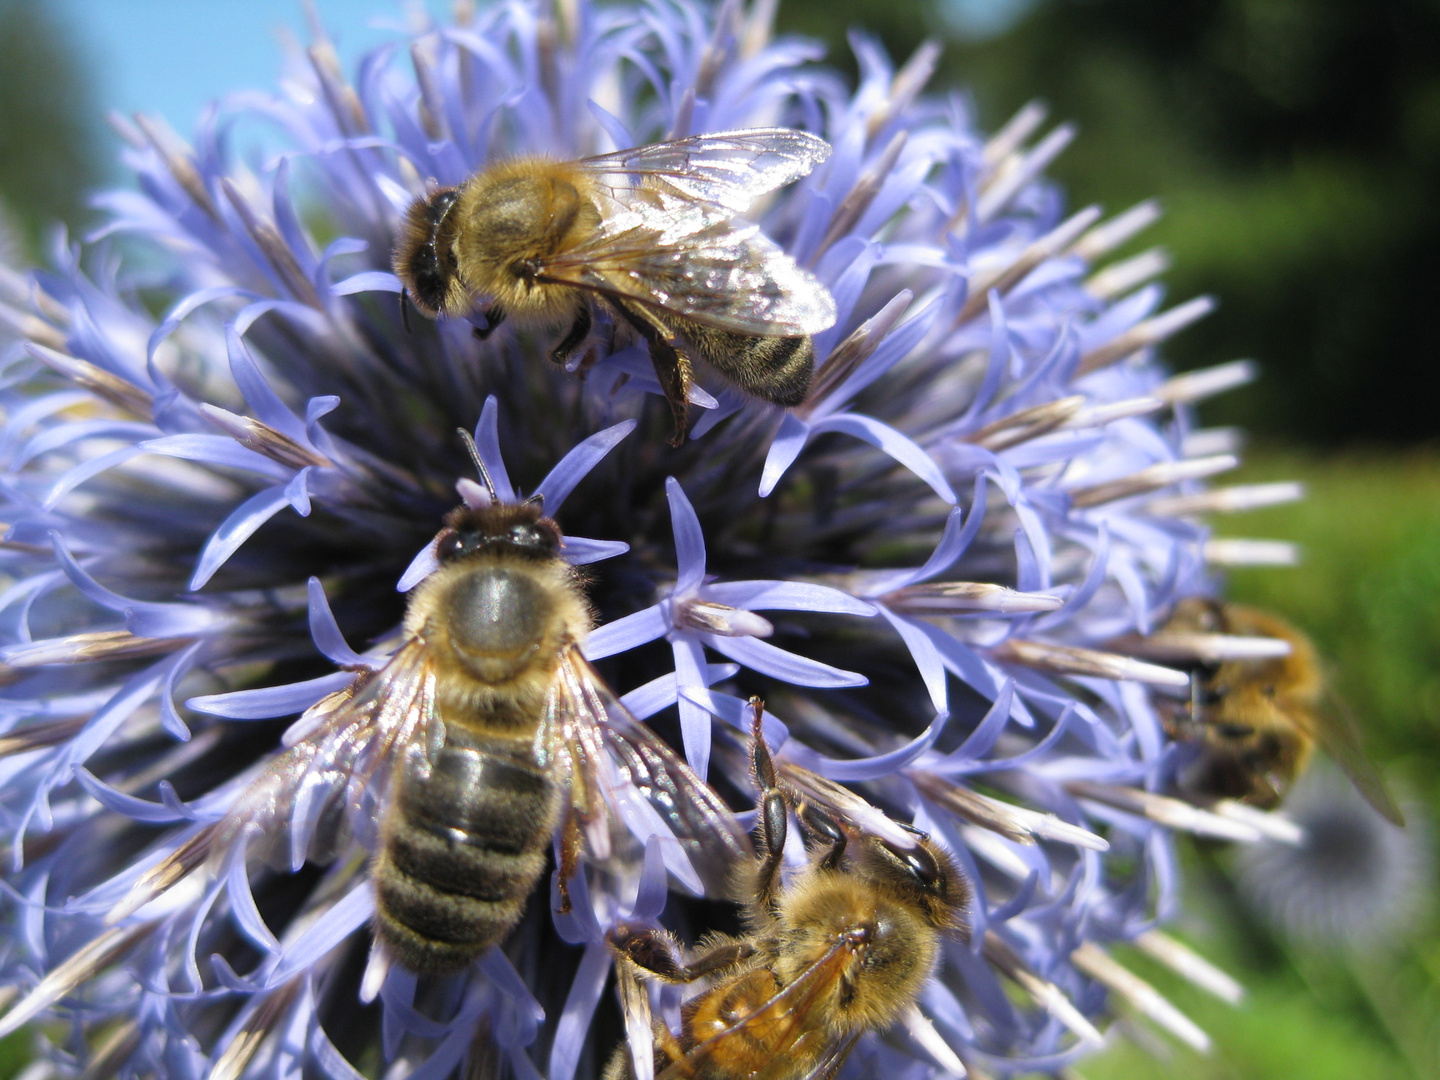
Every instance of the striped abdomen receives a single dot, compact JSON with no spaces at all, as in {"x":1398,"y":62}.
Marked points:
{"x":460,"y":850}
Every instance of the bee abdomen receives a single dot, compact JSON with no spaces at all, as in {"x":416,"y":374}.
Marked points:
{"x":461,"y":849}
{"x":774,"y":369}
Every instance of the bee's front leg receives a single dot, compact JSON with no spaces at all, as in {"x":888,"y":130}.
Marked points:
{"x":658,"y":953}
{"x":579,"y":331}
{"x":494,"y":316}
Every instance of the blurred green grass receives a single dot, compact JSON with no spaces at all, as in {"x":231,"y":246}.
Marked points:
{"x":1368,"y":591}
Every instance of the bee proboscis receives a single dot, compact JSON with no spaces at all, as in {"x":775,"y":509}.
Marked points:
{"x":841,"y":948}
{"x":1258,"y":721}
{"x":483,"y":734}
{"x":648,"y":234}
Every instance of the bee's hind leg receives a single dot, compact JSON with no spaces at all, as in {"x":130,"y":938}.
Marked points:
{"x":571,"y":839}
{"x":672,"y":368}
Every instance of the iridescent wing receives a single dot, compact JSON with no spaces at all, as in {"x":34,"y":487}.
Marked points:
{"x":1334,"y":728}
{"x":726,"y":170}
{"x":617,"y":760}
{"x":667,"y":240}
{"x":726,"y":277}
{"x":790,"y":1026}
{"x":339,"y":768}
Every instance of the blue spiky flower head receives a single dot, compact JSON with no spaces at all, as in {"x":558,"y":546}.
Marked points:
{"x":224,"y":448}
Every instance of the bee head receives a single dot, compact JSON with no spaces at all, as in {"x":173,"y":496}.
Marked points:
{"x":424,"y":260}
{"x":520,"y":529}
{"x":924,"y":875}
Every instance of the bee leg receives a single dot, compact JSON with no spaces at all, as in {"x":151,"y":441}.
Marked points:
{"x":571,"y":838}
{"x":493,"y":318}
{"x":672,"y":368}
{"x":774,"y":808}
{"x":658,"y":953}
{"x":821,"y":826}
{"x":579,"y":331}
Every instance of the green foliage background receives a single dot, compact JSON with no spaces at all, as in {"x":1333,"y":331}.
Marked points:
{"x":1295,"y":145}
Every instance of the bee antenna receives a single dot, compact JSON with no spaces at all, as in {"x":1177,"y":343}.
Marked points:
{"x":405,"y":309}
{"x":469,"y":441}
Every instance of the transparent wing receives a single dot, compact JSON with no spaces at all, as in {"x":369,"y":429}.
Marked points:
{"x":730,"y":278}
{"x":614,"y":756}
{"x":844,"y":806}
{"x":728,"y":170}
{"x":1335,"y":729}
{"x":667,"y":239}
{"x":639,"y":1044}
{"x":316,"y":790}
{"x":790,"y":1026}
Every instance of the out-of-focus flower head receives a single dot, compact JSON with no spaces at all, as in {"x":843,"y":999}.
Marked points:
{"x":1351,"y":879}
{"x":222,"y":450}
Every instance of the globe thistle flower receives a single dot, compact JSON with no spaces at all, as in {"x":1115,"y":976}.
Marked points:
{"x":224,"y":450}
{"x":1350,"y":878}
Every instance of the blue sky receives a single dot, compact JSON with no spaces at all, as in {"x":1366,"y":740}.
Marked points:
{"x":173,"y":56}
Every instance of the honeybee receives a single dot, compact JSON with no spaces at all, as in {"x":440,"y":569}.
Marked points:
{"x":484,"y":733}
{"x":1258,"y":721}
{"x":841,"y":948}
{"x":648,"y":234}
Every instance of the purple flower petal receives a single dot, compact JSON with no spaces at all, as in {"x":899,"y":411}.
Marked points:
{"x":645,"y":701}
{"x":487,"y":443}
{"x":268,"y":702}
{"x":689,"y":540}
{"x":326,"y":632}
{"x":900,"y":447}
{"x":628,"y":633}
{"x":237,"y":528}
{"x":585,"y":990}
{"x":784,"y":449}
{"x":263,"y":400}
{"x":344,"y":917}
{"x":923,"y":652}
{"x":422,"y":566}
{"x":578,"y":551}
{"x":876,"y":767}
{"x":573,"y":467}
{"x":690,"y":671}
{"x":367,"y":281}
{"x":769,"y":660}
{"x":785,"y":596}
{"x":220,"y":450}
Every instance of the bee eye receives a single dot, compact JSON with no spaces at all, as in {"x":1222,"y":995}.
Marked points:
{"x":448,"y":545}
{"x":922,"y":866}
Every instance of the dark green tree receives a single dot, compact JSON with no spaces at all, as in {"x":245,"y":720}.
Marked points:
{"x":48,"y":121}
{"x":1296,"y":147}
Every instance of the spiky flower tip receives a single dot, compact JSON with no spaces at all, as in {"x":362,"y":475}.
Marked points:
{"x":223,"y":449}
